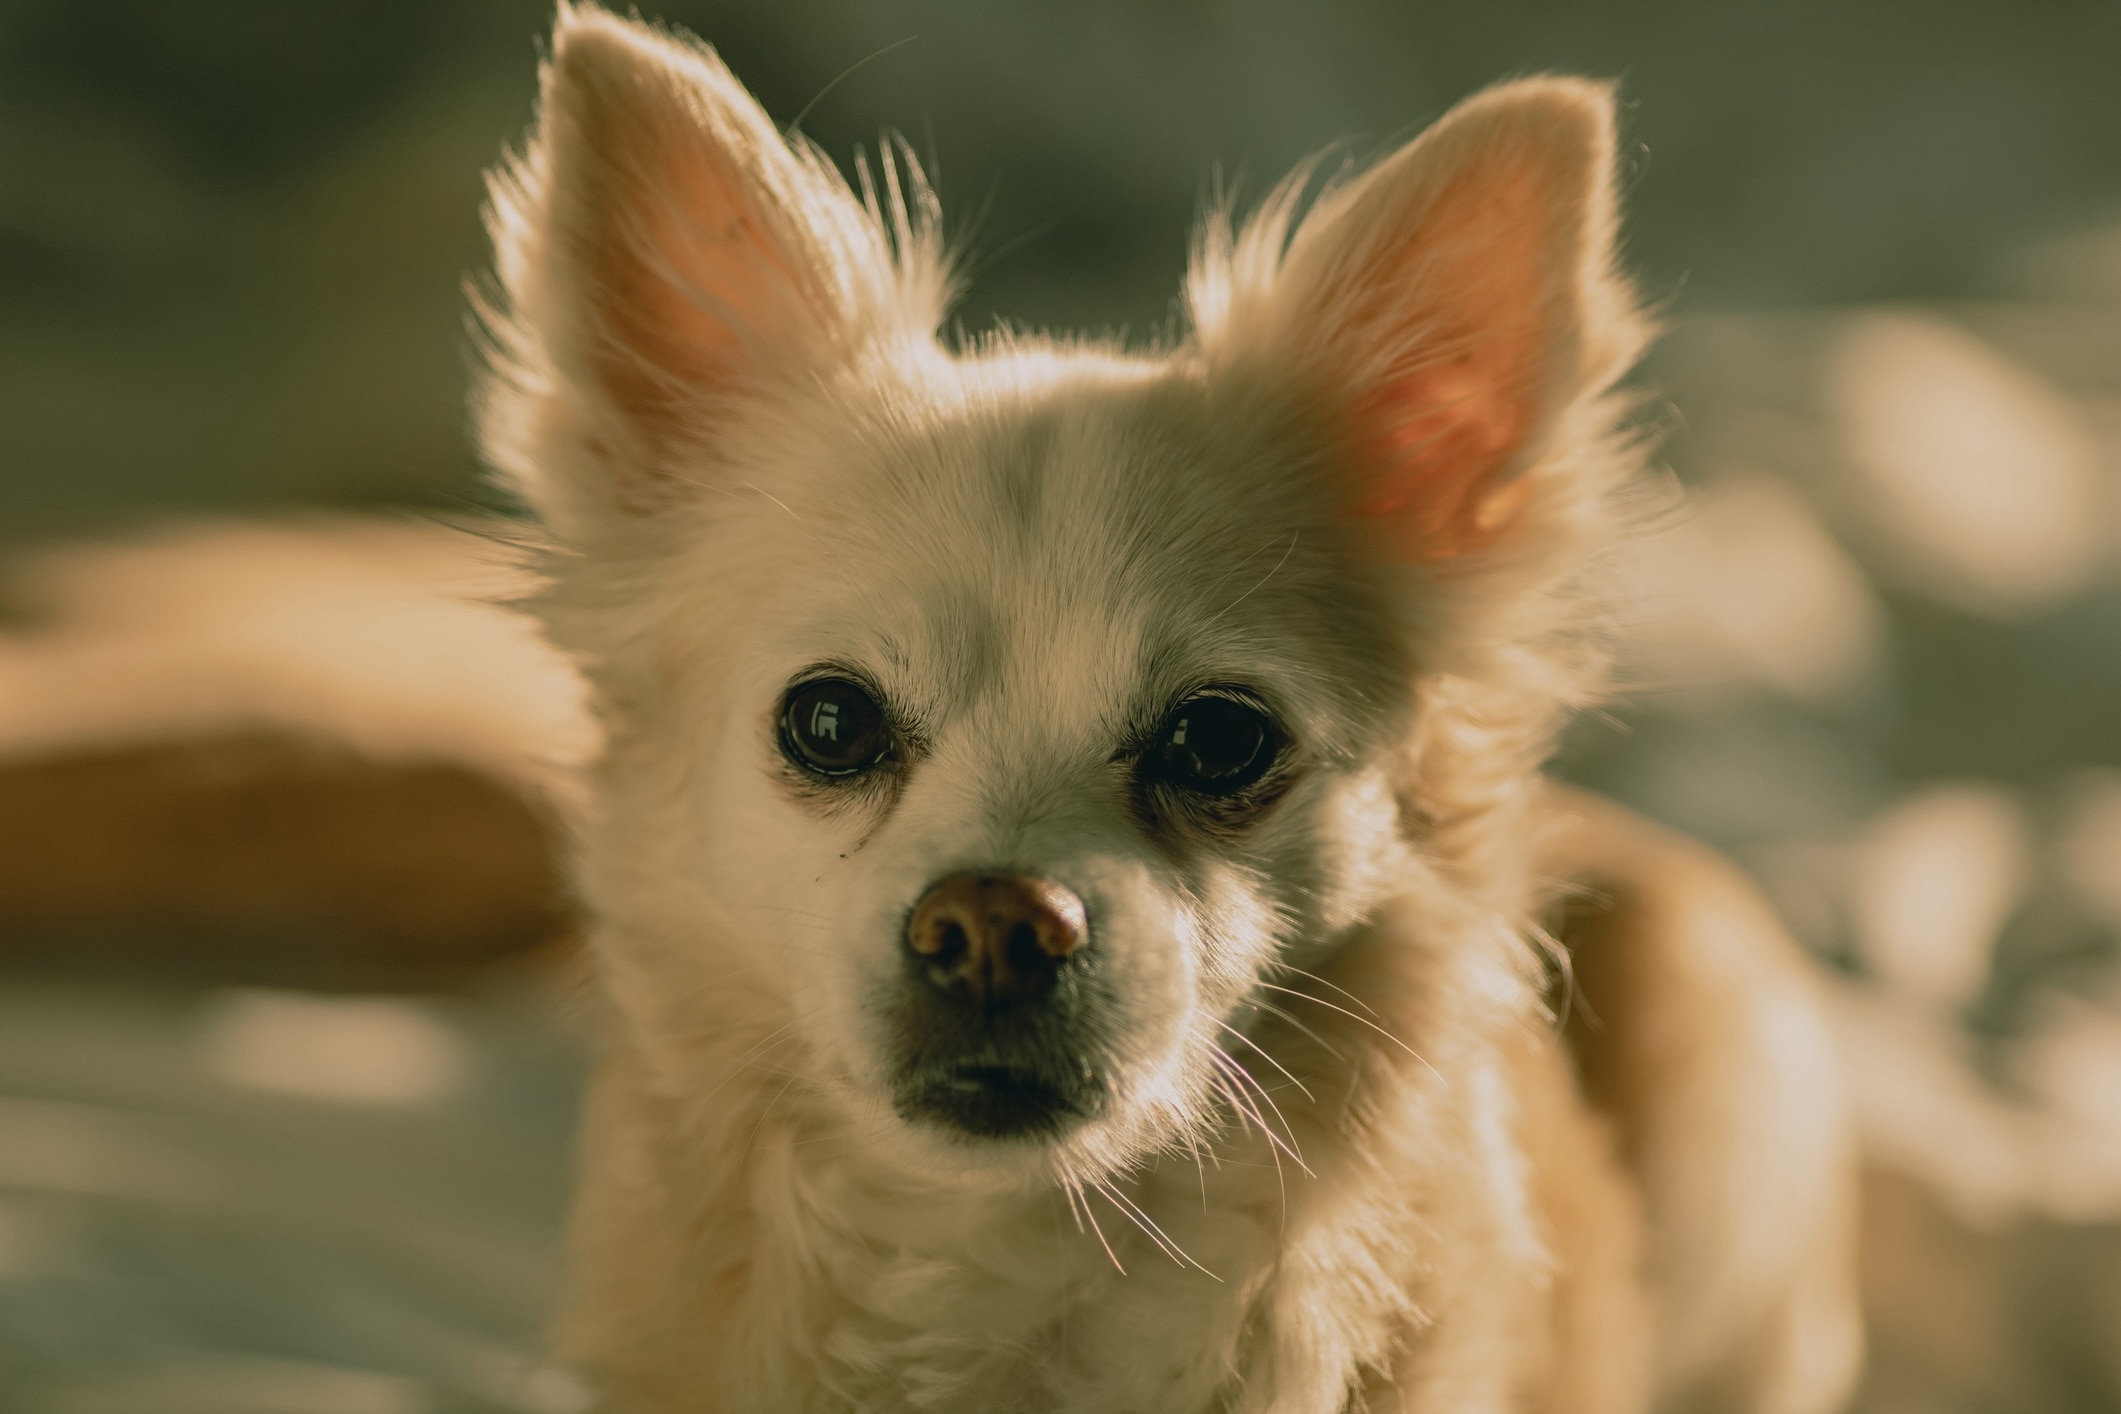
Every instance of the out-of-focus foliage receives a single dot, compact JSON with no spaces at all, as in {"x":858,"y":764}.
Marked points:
{"x":232,"y":232}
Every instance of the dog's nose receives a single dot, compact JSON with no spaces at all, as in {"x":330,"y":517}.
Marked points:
{"x":993,"y":939}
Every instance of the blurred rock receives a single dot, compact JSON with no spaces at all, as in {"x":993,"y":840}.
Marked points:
{"x":1979,"y":483}
{"x":1937,"y":878}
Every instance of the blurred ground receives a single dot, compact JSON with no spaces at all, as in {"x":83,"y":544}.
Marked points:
{"x":219,"y":1201}
{"x":1880,"y":652}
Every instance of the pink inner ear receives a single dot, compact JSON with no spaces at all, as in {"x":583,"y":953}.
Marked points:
{"x":684,"y":283}
{"x":1466,"y":302}
{"x":688,"y":279}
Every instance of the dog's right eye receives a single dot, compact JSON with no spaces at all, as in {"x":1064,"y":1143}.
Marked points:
{"x":1212,"y":745}
{"x":833,"y":727}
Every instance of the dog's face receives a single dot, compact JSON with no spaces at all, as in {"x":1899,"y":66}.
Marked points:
{"x":1035,"y":726}
{"x":1010,"y":722}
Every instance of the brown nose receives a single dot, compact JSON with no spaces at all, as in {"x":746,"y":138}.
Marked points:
{"x":992,"y":939}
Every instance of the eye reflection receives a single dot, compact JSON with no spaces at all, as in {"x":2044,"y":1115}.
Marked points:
{"x":833,"y":727}
{"x":1212,"y":745}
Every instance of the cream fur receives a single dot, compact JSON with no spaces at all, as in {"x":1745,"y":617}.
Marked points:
{"x":1345,"y":1162}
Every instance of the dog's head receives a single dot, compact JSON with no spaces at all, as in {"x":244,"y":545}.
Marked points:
{"x":991,"y":728}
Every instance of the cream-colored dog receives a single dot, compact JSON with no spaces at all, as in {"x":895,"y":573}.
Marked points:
{"x":1071,"y":877}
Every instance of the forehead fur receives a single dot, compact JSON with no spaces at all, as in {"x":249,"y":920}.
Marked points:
{"x":1066,"y":522}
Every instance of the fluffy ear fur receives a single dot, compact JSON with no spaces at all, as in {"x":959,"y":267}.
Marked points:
{"x":1448,"y":306}
{"x":665,"y":253}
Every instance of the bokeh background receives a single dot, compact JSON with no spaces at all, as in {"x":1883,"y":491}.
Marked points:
{"x":1878,"y":655}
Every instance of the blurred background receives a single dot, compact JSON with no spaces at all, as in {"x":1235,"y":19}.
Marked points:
{"x":284,"y":1118}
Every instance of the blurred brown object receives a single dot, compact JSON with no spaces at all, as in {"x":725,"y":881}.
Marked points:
{"x":268,"y":858}
{"x":315,"y":754}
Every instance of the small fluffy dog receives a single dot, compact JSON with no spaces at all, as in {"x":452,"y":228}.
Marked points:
{"x":1073,"y":892}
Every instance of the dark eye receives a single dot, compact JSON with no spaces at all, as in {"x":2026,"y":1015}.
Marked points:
{"x":834,"y":728}
{"x":1213,"y":745}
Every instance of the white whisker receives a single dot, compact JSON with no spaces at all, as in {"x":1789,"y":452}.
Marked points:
{"x":1321,"y":981}
{"x":1286,"y":1140}
{"x":1074,"y":1200}
{"x":1114,"y":1256}
{"x":1133,"y":1213}
{"x":749,"y":486}
{"x":1243,"y":1110}
{"x":1321,"y":1001}
{"x":1262,"y":579}
{"x":1266,"y":1056}
{"x":1199,"y":1168}
{"x":744,"y":1061}
{"x":1289,"y":1018}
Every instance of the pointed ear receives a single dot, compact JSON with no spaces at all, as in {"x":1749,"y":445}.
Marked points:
{"x":1447,"y":309}
{"x":665,"y":252}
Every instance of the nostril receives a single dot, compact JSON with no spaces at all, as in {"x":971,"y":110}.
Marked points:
{"x":1027,"y":956}
{"x":952,"y":944}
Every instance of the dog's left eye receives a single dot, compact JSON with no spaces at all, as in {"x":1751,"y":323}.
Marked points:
{"x":833,"y":727}
{"x":1214,"y":745}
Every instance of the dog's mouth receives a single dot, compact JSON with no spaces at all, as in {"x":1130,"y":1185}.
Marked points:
{"x":999,"y":1101}
{"x":1027,"y":1070}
